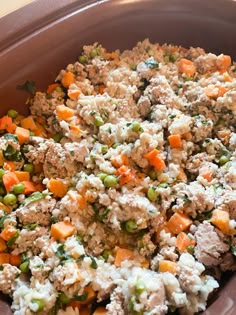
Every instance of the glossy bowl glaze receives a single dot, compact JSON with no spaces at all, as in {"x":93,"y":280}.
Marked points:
{"x":44,"y":36}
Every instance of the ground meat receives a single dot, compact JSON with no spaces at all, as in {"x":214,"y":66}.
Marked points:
{"x":210,"y":246}
{"x":8,"y":277}
{"x":37,"y":212}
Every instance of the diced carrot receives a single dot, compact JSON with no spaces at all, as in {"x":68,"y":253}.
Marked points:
{"x":167,"y":266}
{"x":74,"y":196}
{"x":5,"y":122}
{"x":40,"y":131}
{"x":15,"y":260}
{"x":126,"y":174}
{"x":3,"y":245}
{"x":120,"y":160}
{"x":11,"y":128}
{"x":223,"y":61}
{"x":101,"y":310}
{"x":5,"y":208}
{"x":52,"y":87}
{"x":187,"y":67}
{"x":215,"y":91}
{"x":29,"y":187}
{"x":75,"y":129}
{"x":207,"y":175}
{"x":10,"y":179}
{"x":101,"y":89}
{"x":151,"y":154}
{"x":122,"y":254}
{"x":112,"y":55}
{"x":57,"y":187}
{"x":178,"y":222}
{"x":175,"y":141}
{"x":158,"y":163}
{"x":22,"y":176}
{"x":227,"y":77}
{"x":145,"y":264}
{"x":62,"y":229}
{"x":64,"y":113}
{"x":4,"y":258}
{"x":155,"y":160}
{"x":182,"y":176}
{"x":221,"y":219}
{"x":9,"y":166}
{"x":67,"y":79}
{"x":183,"y":241}
{"x":74,"y":94}
{"x":8,"y":232}
{"x":28,"y":123}
{"x":22,"y":134}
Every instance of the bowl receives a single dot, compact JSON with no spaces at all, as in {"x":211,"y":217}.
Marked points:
{"x":41,"y":38}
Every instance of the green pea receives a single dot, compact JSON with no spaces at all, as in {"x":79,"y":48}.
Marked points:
{"x":58,"y":89}
{"x":24,"y":267}
{"x":130,"y":226}
{"x":64,"y":299}
{"x":32,"y":133}
{"x":115,"y":145}
{"x":9,"y":199}
{"x":136,"y":126}
{"x":83,"y":59}
{"x":18,"y":188}
{"x":2,"y":191}
{"x":28,"y":167}
{"x":12,"y":113}
{"x":110,"y":181}
{"x":57,"y":137}
{"x":40,"y":304}
{"x":102,"y":176}
{"x":2,"y":172}
{"x":152,"y":194}
{"x":133,"y":66}
{"x":106,"y":253}
{"x":94,"y":53}
{"x":98,"y":121}
{"x":139,"y":287}
{"x":104,"y":149}
{"x":153,"y":175}
{"x":223,"y":160}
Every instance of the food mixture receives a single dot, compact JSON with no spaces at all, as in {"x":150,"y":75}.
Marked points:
{"x":118,"y":190}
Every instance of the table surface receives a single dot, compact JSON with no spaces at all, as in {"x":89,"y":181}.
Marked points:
{"x":10,"y":6}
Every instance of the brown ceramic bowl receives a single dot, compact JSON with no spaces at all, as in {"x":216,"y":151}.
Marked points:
{"x":43,"y":37}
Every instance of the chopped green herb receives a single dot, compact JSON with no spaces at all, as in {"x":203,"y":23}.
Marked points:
{"x":12,"y":240}
{"x":28,"y":86}
{"x":11,"y":154}
{"x":93,"y":264}
{"x":35,"y":196}
{"x":81,"y":298}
